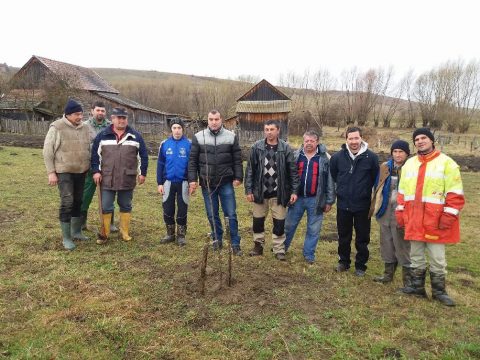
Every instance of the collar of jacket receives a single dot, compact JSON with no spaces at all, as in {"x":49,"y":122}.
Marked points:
{"x":65,"y":120}
{"x":428,"y":157}
{"x":282,"y":145}
{"x":96,"y":125}
{"x":347,"y":151}
{"x":215,"y":133}
{"x":172,"y":138}
{"x":321,"y":149}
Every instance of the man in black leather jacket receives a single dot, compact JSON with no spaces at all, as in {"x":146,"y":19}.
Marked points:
{"x":271,"y":181}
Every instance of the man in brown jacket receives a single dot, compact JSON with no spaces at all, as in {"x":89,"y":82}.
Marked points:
{"x":66,"y":153}
{"x":119,"y":160}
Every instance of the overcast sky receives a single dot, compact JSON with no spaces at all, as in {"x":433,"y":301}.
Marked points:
{"x":232,"y":38}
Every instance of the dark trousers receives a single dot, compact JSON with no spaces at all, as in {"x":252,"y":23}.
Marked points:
{"x":346,"y":222}
{"x":71,"y":191}
{"x":175,"y":192}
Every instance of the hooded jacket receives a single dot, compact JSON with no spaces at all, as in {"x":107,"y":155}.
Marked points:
{"x":354,"y":178}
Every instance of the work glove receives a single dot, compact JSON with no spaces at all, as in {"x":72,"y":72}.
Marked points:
{"x":446,"y":221}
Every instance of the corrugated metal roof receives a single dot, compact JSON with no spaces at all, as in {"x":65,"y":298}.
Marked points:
{"x":275,"y":106}
{"x":130,"y":103}
{"x":85,"y":79}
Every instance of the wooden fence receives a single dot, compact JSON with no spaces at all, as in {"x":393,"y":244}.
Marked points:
{"x":26,"y":127}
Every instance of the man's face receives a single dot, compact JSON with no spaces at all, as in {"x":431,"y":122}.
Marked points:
{"x":399,"y":156}
{"x":271,"y":132}
{"x":119,"y":122}
{"x":310,"y":143}
{"x":423,"y":143}
{"x":214,"y":121}
{"x":98,"y":113}
{"x":354,"y":141}
{"x":177,"y":131}
{"x":75,"y":118}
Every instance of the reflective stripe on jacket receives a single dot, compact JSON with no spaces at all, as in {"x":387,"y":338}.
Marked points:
{"x":430,"y":187}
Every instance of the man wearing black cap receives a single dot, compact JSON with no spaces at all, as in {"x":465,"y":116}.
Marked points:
{"x":66,"y":153}
{"x":393,"y":247}
{"x":119,"y":160}
{"x":172,"y":180}
{"x":430,"y":197}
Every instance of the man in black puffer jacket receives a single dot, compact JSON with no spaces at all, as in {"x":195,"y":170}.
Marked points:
{"x":216,"y":158}
{"x":354,"y":169}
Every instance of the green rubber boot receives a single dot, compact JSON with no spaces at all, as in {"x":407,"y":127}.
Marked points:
{"x":76,"y":224}
{"x":67,"y":236}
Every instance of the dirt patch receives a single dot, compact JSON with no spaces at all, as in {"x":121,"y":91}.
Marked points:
{"x":10,"y":216}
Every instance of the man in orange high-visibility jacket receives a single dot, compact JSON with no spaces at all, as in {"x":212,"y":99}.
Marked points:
{"x":430,"y":197}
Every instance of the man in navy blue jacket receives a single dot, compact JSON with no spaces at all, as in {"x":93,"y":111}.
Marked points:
{"x":354,"y":169}
{"x":172,"y":175}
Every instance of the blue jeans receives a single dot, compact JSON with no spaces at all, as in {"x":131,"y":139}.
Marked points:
{"x":314,"y":225}
{"x":226,"y":194}
{"x":124,"y":200}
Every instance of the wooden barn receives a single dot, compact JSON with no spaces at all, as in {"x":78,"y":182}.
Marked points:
{"x":40,"y":88}
{"x":261,"y":103}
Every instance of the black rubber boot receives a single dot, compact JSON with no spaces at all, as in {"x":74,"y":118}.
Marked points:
{"x":257,"y":249}
{"x":417,"y":283}
{"x":388,"y":273}
{"x":438,"y":289}
{"x":170,"y":237}
{"x":181,"y":233}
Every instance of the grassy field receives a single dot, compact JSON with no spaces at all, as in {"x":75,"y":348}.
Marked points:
{"x":140,"y":300}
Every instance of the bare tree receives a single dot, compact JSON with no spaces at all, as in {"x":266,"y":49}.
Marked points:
{"x":323,"y":96}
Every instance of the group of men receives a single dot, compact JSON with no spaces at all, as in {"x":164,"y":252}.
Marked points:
{"x":416,"y":201}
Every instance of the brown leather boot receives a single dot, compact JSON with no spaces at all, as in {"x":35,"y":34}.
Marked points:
{"x":257,"y":249}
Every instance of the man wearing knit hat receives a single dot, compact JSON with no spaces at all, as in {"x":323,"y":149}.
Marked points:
{"x":66,"y":153}
{"x":172,"y":180}
{"x":393,"y":247}
{"x":430,"y":197}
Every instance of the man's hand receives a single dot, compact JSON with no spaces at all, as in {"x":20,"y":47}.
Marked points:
{"x":191,"y":188}
{"x":236,"y":183}
{"x":250,"y":198}
{"x":141,"y":179}
{"x":52,"y":179}
{"x":327,"y":208}
{"x":97,"y":178}
{"x":293,"y":198}
{"x":160,"y":189}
